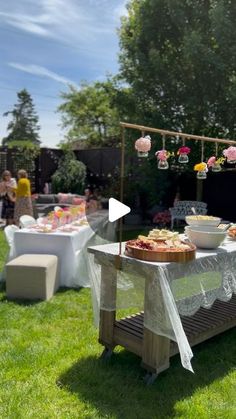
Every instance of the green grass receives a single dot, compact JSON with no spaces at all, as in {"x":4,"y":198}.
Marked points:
{"x":50,"y":368}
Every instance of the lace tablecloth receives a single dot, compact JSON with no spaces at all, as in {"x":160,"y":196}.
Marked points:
{"x":173,"y":288}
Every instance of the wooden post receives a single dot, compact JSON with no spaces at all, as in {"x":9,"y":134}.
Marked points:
{"x":199,"y":189}
{"x":108,"y":298}
{"x":156,"y":349}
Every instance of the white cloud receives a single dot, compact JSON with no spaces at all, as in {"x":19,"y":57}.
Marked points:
{"x":67,"y":21}
{"x":24,"y":22}
{"x":41,"y":71}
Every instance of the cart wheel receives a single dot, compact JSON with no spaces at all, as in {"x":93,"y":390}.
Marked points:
{"x":149,"y":378}
{"x":106,"y":354}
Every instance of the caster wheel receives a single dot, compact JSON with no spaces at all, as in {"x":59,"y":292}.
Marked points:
{"x":106,"y":354}
{"x":150,"y":378}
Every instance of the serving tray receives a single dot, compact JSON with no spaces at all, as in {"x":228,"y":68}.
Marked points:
{"x":163,"y":256}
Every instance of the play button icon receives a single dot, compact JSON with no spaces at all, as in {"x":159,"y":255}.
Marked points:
{"x":117,"y":210}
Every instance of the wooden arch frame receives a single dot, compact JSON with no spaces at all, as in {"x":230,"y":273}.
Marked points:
{"x":141,"y":128}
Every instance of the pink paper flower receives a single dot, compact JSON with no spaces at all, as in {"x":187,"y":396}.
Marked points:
{"x":143,"y":144}
{"x":211,"y":161}
{"x":184,"y":150}
{"x":230,"y":153}
{"x":162,"y":155}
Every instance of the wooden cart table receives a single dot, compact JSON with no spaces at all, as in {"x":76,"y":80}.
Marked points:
{"x":136,"y":332}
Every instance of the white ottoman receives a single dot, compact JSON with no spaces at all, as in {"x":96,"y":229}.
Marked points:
{"x":32,"y":277}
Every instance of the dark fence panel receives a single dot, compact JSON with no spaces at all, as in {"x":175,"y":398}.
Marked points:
{"x":103,"y":165}
{"x":219,"y":192}
{"x":12,"y":159}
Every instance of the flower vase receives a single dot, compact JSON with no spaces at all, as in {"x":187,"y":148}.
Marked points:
{"x":142,"y":154}
{"x":201,"y":175}
{"x":216,"y":167}
{"x":183,"y":158}
{"x":162,"y":164}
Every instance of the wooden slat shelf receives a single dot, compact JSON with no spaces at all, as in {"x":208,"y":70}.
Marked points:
{"x":130,"y":332}
{"x":204,"y":324}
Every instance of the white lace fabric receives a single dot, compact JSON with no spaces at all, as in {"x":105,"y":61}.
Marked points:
{"x":172,"y":289}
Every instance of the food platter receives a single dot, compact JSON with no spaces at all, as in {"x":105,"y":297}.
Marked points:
{"x":171,"y":255}
{"x":231,"y":233}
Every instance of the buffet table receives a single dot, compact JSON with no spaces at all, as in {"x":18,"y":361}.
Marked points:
{"x":181,"y":304}
{"x":70,"y":247}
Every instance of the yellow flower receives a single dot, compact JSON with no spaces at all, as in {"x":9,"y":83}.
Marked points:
{"x":220,"y":160}
{"x":200,"y":167}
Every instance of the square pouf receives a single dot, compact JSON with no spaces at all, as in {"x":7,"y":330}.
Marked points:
{"x":32,"y":277}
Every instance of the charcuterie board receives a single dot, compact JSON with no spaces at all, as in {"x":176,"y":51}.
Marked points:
{"x":170,"y":255}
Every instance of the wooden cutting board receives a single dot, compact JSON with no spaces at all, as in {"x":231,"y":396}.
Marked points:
{"x":155,"y":256}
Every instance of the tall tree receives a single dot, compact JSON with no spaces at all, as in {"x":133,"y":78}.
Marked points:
{"x":91,"y":113}
{"x":24,"y":124}
{"x":180,"y":57}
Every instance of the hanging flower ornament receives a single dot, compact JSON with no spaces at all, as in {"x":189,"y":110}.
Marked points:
{"x":230,"y":154}
{"x":183,"y":154}
{"x":215,"y":163}
{"x":162,"y":156}
{"x":201,"y":169}
{"x":143,"y":146}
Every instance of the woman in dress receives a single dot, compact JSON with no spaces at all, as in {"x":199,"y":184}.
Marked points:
{"x":23,"y":204}
{"x":7,"y":192}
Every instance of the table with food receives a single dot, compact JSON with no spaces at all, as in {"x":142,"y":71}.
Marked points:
{"x":179,"y":290}
{"x":67,"y":236}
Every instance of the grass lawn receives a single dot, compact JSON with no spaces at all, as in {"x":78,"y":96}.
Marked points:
{"x":50,"y":368}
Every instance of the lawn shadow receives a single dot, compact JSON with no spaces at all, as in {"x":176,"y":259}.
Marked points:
{"x":63,"y":290}
{"x":20,"y":301}
{"x":116,"y":388}
{"x":27,"y":302}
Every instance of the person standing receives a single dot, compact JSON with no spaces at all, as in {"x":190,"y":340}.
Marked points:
{"x":23,"y":205}
{"x":7,"y":193}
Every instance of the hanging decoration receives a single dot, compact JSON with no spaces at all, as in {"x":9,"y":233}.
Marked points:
{"x":215,"y":163}
{"x":143,"y":145}
{"x":211,"y":164}
{"x":162,"y":156}
{"x":201,"y":168}
{"x":230,"y":154}
{"x":183,"y":153}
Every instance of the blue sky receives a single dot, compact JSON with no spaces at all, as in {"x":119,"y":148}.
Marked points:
{"x":46,"y":44}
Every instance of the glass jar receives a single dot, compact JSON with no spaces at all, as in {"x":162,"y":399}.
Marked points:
{"x":201,"y":175}
{"x":142,"y":154}
{"x":183,"y":158}
{"x":163,"y":164}
{"x":216,"y":167}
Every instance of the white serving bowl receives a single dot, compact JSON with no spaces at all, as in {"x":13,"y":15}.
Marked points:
{"x":194,"y":220}
{"x":205,"y":237}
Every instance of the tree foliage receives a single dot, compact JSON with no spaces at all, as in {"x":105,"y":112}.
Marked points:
{"x":24,"y":124}
{"x":179,"y":57}
{"x":90,"y":114}
{"x":70,"y":175}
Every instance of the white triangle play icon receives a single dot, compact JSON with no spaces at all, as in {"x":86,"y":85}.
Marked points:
{"x":117,"y":209}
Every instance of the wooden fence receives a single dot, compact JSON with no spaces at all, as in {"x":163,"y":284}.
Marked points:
{"x":218,"y":190}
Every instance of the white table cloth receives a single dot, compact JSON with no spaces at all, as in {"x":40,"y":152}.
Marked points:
{"x":70,"y":247}
{"x":173,"y":288}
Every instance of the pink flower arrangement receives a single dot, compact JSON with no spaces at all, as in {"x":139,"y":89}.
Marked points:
{"x":163,"y":218}
{"x":162,"y":155}
{"x":184,"y":150}
{"x":230,"y":153}
{"x":211,"y":161}
{"x":143,"y":144}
